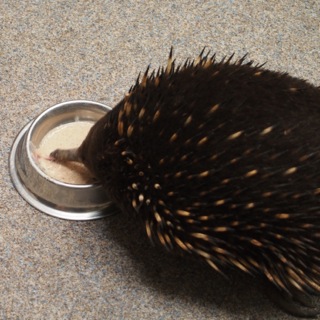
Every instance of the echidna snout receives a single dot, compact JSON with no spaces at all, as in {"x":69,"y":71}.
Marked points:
{"x":64,"y":155}
{"x":220,"y":161}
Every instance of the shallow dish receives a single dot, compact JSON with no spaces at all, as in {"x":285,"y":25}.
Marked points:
{"x":51,"y":196}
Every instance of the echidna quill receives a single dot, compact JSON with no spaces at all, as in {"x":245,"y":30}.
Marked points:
{"x":220,"y":160}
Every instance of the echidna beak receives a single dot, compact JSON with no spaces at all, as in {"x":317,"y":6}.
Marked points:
{"x":64,"y":155}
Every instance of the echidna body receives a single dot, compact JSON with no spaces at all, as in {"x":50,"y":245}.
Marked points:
{"x":220,"y":160}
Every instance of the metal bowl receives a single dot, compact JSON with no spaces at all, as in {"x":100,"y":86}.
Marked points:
{"x":56,"y":198}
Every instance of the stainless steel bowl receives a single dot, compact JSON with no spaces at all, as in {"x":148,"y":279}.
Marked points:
{"x":56,"y":198}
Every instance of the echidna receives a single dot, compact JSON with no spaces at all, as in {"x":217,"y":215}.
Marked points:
{"x":220,"y":160}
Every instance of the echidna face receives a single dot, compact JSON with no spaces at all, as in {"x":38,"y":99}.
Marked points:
{"x":95,"y":149}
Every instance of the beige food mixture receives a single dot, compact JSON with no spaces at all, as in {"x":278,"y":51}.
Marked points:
{"x":65,"y":136}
